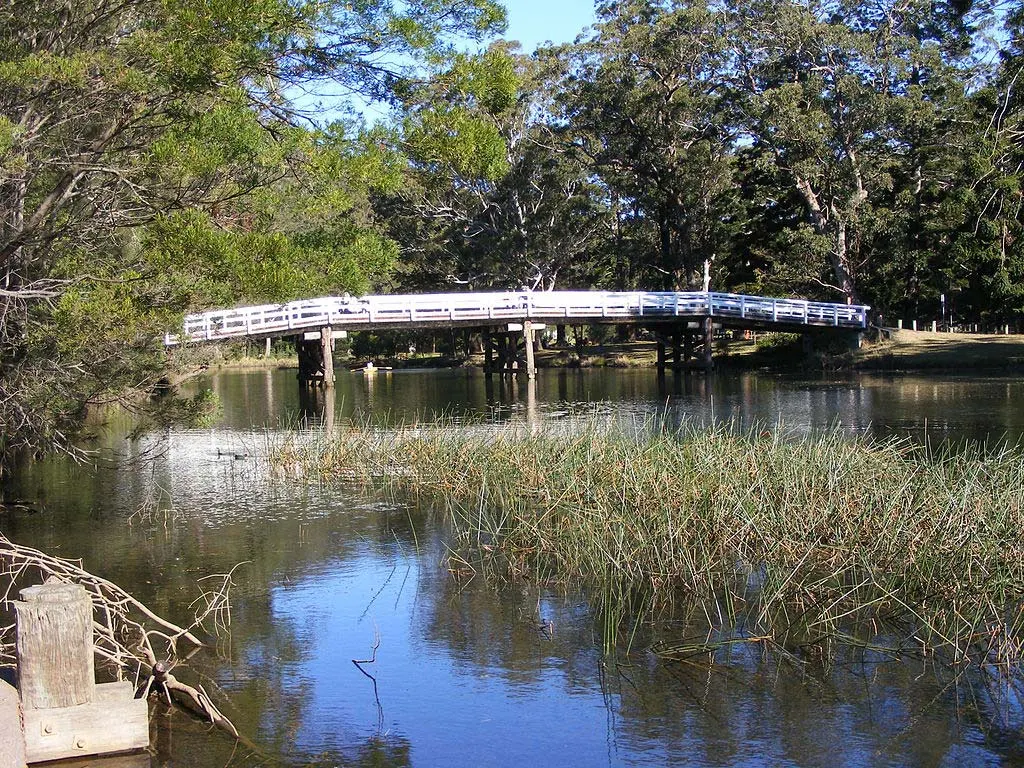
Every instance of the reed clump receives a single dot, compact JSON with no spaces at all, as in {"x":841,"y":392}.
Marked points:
{"x":802,"y":540}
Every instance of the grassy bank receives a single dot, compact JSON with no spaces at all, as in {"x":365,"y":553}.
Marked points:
{"x":893,"y":351}
{"x":797,"y":542}
{"x":921,"y":350}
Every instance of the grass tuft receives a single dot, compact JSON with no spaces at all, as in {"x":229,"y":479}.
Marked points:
{"x":794,"y":541}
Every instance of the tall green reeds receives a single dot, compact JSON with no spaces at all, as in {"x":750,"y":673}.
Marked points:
{"x":801,"y":540}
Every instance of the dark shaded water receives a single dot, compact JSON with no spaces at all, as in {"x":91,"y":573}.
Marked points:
{"x":469,"y":673}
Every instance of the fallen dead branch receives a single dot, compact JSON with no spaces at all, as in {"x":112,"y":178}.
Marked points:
{"x":195,"y":700}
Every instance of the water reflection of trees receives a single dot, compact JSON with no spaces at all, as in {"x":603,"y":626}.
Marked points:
{"x":513,"y":631}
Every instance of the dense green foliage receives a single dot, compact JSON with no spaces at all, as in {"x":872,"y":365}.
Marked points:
{"x":162,"y":157}
{"x":157,"y":157}
{"x":865,"y":151}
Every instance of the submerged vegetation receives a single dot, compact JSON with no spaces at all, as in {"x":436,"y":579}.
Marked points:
{"x":798,"y":542}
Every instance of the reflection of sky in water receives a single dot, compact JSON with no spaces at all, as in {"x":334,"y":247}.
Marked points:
{"x":453,"y":711}
{"x":466,"y":672}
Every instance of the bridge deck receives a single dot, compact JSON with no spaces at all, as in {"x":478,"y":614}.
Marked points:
{"x":446,"y":310}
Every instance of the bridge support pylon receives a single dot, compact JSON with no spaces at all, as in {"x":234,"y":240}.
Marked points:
{"x":327,"y":354}
{"x":531,"y":365}
{"x":502,"y":354}
{"x":690,"y":343}
{"x":708,"y":328}
{"x":316,"y":359}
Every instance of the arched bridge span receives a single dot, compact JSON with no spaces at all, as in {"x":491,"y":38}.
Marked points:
{"x":683,"y":319}
{"x":447,"y":310}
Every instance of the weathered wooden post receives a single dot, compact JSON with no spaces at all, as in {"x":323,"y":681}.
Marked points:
{"x":66,"y":714}
{"x":531,"y":367}
{"x":54,"y":645}
{"x":709,"y":340}
{"x":327,"y":355}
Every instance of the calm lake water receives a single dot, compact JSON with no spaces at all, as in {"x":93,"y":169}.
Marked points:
{"x":469,"y":673}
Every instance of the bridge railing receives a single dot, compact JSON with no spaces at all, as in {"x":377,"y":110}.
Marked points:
{"x":507,"y":306}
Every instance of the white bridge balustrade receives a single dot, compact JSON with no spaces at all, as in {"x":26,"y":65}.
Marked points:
{"x":499,"y":307}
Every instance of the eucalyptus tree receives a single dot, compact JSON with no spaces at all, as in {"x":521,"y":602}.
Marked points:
{"x":856,"y":105}
{"x":509,"y":204}
{"x":453,"y":129}
{"x":151,"y":154}
{"x":546,"y":218}
{"x":650,"y":100}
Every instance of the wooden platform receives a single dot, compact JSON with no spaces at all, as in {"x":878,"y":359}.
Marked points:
{"x":64,"y":713}
{"x":115,"y":721}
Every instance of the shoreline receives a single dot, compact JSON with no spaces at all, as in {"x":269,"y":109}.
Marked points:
{"x":896,"y":351}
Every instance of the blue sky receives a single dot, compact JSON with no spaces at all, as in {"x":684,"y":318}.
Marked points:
{"x":536,"y":21}
{"x":531,"y":22}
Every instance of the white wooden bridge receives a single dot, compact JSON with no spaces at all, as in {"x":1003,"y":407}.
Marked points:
{"x":448,"y":310}
{"x":684,"y":321}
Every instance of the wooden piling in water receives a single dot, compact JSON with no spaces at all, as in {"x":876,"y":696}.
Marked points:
{"x":327,"y":355}
{"x":531,"y":367}
{"x":709,"y":339}
{"x":310,"y":361}
{"x":66,"y":714}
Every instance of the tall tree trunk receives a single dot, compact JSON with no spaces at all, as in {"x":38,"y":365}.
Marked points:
{"x":841,"y":263}
{"x":835,"y":230}
{"x":666,"y":254}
